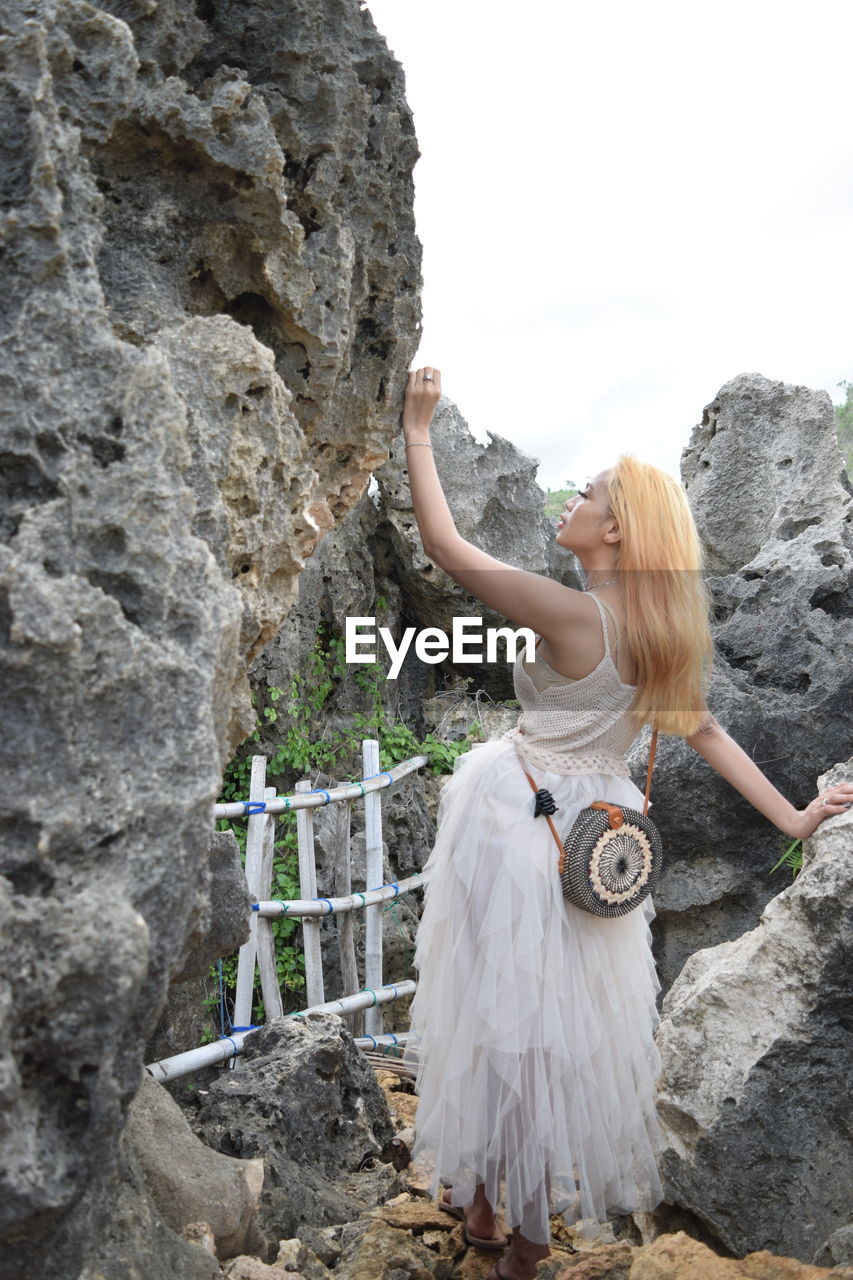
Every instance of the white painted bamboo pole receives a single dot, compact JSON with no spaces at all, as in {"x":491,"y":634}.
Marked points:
{"x":207,"y":1055}
{"x":379,"y":1042}
{"x":331,"y":906}
{"x":308,"y":888}
{"x":254,"y":855}
{"x":273,"y":1007}
{"x":373,"y":879}
{"x":313,"y":799}
{"x":345,"y":929}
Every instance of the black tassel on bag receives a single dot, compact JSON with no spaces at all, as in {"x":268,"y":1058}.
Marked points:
{"x":544,"y":803}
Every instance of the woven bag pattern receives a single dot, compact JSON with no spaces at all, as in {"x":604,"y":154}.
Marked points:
{"x":607,"y":870}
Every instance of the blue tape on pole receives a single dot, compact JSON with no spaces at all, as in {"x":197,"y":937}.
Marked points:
{"x":256,"y":906}
{"x":232,"y":1043}
{"x":318,"y":791}
{"x":255,"y":1026}
{"x":328,"y":902}
{"x":253,"y":806}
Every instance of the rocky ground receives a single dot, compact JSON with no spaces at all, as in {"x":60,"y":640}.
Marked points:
{"x":407,"y":1237}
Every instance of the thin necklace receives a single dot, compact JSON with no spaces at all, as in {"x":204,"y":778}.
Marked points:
{"x":612,"y":583}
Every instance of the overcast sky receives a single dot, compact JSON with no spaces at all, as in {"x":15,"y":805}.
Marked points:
{"x":622,"y":206}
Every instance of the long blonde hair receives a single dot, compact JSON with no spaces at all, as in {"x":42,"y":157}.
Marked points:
{"x":667,"y":605}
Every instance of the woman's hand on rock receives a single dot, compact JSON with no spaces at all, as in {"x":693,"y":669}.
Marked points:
{"x":826,"y":804}
{"x":423,"y":389}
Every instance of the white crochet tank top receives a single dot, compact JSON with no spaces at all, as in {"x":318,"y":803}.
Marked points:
{"x":576,"y":726}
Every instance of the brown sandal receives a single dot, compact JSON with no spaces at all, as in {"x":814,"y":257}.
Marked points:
{"x":491,"y":1244}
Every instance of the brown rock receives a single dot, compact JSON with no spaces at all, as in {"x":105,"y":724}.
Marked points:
{"x":475,"y":1265}
{"x":417,"y":1215}
{"x":403,"y":1107}
{"x":383,"y":1252}
{"x":769,"y":1266}
{"x":607,"y":1262}
{"x":200,"y":1233}
{"x":248,"y":1268}
{"x":680,"y":1257}
{"x":295,"y":1257}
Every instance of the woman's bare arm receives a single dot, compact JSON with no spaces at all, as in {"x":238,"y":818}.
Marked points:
{"x":732,"y":763}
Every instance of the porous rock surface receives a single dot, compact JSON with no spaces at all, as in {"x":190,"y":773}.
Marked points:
{"x":756,"y":1045}
{"x":305,"y":1100}
{"x":210,"y":296}
{"x":187,"y":1182}
{"x":774,"y":507}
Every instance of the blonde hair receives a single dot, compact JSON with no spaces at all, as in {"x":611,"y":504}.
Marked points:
{"x":667,"y":605}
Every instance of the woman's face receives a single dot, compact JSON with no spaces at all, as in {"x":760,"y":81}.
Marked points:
{"x":586,"y":517}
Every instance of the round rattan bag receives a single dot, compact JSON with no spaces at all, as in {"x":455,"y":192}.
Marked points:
{"x":611,"y":859}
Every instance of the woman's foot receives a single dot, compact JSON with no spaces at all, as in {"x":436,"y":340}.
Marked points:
{"x":481,"y":1227}
{"x":522,"y":1260}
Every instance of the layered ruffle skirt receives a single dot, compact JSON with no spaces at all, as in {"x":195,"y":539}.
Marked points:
{"x":533,"y":1022}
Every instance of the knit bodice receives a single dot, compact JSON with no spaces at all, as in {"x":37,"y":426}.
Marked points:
{"x":576,"y":726}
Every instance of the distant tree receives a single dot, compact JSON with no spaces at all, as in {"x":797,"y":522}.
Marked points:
{"x":844,"y":424}
{"x":555,"y":499}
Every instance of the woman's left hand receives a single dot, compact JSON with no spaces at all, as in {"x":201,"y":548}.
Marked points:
{"x":423,"y":389}
{"x":827,"y":804}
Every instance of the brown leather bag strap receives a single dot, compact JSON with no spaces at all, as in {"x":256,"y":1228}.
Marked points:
{"x":614,"y":810}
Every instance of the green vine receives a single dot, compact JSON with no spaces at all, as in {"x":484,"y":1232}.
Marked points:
{"x":306,"y":747}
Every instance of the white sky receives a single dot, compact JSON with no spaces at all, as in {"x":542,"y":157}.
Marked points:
{"x":622,"y":206}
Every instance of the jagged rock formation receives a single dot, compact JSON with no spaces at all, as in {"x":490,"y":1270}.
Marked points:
{"x":305,"y":1100}
{"x":774,"y":507}
{"x":210,"y":283}
{"x":756,"y":1043}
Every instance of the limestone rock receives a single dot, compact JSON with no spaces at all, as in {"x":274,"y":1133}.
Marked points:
{"x":767,"y":454}
{"x":187,"y":1181}
{"x":837,"y":1250}
{"x":756,"y":1051}
{"x":766,"y":484}
{"x":250,"y":1268}
{"x":306,"y":1101}
{"x":604,"y":1262}
{"x":224,"y":925}
{"x":385,"y":1253}
{"x":295,"y":1256}
{"x":210,"y":298}
{"x":680,"y":1257}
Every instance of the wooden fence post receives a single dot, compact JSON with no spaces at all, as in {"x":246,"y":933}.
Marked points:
{"x":257,"y":824}
{"x":374,"y":878}
{"x":273,"y":1007}
{"x":308,"y":889}
{"x":343,"y":888}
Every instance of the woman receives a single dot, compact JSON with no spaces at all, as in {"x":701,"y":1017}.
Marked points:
{"x":533,"y":1023}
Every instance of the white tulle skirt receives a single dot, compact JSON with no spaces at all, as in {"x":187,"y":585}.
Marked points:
{"x":533,"y":1023}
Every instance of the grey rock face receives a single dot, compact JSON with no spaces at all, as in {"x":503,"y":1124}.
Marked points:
{"x":225,"y":925}
{"x":756,"y":1046}
{"x":210,"y":282}
{"x":187,"y":1181}
{"x":305,"y":1100}
{"x":376,"y":552}
{"x":765,"y":480}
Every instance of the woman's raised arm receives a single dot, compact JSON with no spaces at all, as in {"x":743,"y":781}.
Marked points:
{"x":527,"y":599}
